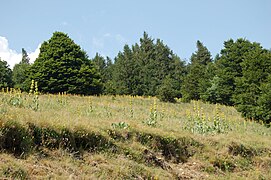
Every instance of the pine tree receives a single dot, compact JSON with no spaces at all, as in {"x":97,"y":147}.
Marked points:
{"x":229,"y":67}
{"x":62,"y":66}
{"x":196,"y":82}
{"x":166,"y":91}
{"x":125,"y":72}
{"x":141,"y":70}
{"x":20,"y":72}
{"x":264,"y":101}
{"x":250,"y":87}
{"x":5,"y":74}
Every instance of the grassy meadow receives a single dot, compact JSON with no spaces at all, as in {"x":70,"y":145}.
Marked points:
{"x":123,"y":137}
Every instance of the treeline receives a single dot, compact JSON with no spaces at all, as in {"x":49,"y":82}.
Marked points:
{"x":239,"y":76}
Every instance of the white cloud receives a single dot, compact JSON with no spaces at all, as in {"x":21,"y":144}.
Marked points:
{"x":33,"y":55}
{"x":11,"y":56}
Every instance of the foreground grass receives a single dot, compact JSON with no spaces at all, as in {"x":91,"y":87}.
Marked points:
{"x":123,"y":137}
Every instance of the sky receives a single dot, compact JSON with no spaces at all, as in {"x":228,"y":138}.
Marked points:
{"x":105,"y":26}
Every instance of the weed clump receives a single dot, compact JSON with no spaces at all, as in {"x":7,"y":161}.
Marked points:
{"x":15,"y":172}
{"x":224,"y":164}
{"x":176,"y":150}
{"x":239,"y":149}
{"x":199,"y":123}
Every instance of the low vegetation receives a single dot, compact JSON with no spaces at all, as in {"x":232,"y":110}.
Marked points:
{"x":127,"y":137}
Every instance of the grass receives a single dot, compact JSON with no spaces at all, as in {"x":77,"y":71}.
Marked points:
{"x":122,"y":137}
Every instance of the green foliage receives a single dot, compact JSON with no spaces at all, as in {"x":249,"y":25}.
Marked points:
{"x":264,"y":101}
{"x":62,"y":66}
{"x":5,"y":74}
{"x":213,"y":92}
{"x":252,"y":86}
{"x":125,"y":72}
{"x":196,"y":81}
{"x":166,"y":92}
{"x":16,"y":101}
{"x":152,"y":120}
{"x":104,"y":67}
{"x":120,"y":125}
{"x":34,"y":92}
{"x":19,"y":74}
{"x":229,"y":68}
{"x":140,"y":70}
{"x":199,"y":123}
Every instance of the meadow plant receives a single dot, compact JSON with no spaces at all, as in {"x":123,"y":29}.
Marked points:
{"x":131,"y":107}
{"x":199,"y":123}
{"x":12,"y":97}
{"x":120,"y":125}
{"x":15,"y":98}
{"x":90,"y":107}
{"x":62,"y":98}
{"x":152,"y":120}
{"x":34,"y":93}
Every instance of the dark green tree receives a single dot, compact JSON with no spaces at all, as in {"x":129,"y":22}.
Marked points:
{"x":105,"y":68}
{"x":198,"y":78}
{"x":145,"y":59}
{"x":167,"y":91}
{"x":264,"y":101}
{"x":62,"y":66}
{"x":156,"y":62}
{"x":125,"y":72}
{"x":5,"y":74}
{"x":141,"y":70}
{"x":251,"y":86}
{"x":229,"y":68}
{"x":19,"y":74}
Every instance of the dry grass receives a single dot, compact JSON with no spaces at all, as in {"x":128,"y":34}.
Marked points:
{"x":210,"y":160}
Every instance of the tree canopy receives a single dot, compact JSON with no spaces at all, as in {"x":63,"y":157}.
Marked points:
{"x":5,"y":74}
{"x":20,"y":72}
{"x":62,"y":66}
{"x":141,"y":69}
{"x":197,"y":79}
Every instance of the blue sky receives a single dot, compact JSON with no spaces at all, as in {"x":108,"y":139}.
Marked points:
{"x":104,"y":26}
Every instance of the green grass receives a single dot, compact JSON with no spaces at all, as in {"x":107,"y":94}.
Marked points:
{"x":122,"y":137}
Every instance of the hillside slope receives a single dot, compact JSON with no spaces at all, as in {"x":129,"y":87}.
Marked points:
{"x":122,"y":137}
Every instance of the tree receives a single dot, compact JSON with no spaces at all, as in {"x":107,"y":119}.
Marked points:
{"x":62,"y":66}
{"x":141,"y":69}
{"x":5,"y":74}
{"x":251,"y":87}
{"x":166,"y":91}
{"x":100,"y":63}
{"x":125,"y":72}
{"x":264,"y":101}
{"x":196,"y":82}
{"x":25,"y":58}
{"x":19,"y":74}
{"x":229,"y":67}
{"x":105,"y":69}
